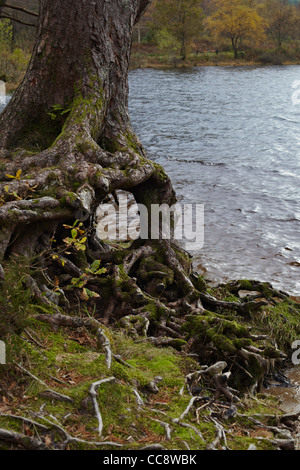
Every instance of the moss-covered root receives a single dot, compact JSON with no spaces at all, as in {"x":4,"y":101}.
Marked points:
{"x":250,"y":356}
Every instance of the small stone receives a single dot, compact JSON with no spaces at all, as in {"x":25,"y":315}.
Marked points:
{"x":196,"y":391}
{"x":157,"y":379}
{"x":151,"y":387}
{"x":216,"y":368}
{"x":252,"y":447}
{"x":231,"y":412}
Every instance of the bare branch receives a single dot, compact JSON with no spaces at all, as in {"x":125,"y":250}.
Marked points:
{"x":17,"y":20}
{"x":23,"y":10}
{"x":143,"y":5}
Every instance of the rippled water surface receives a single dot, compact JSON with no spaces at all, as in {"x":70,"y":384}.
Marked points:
{"x":230,"y":138}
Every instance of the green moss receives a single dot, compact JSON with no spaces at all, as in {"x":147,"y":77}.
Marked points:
{"x":281,"y":323}
{"x":156,"y":312}
{"x":199,"y":282}
{"x":245,"y":284}
{"x":226,"y":335}
{"x":178,"y":344}
{"x":160,"y":172}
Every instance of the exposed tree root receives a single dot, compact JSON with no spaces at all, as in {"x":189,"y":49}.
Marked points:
{"x":93,"y":394}
{"x":19,"y":439}
{"x":52,"y":394}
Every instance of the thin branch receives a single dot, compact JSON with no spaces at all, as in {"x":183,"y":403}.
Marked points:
{"x":6,"y":17}
{"x":188,"y":408}
{"x":167,"y":427}
{"x":49,"y":393}
{"x":138,"y":397}
{"x":76,"y":322}
{"x":190,"y":426}
{"x":70,"y":439}
{"x":118,"y":358}
{"x":26,"y":421}
{"x":23,"y":10}
{"x":220,"y":436}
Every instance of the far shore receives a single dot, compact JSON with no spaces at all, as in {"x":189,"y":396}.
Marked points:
{"x":147,"y":56}
{"x":144,"y":63}
{"x":154,"y":61}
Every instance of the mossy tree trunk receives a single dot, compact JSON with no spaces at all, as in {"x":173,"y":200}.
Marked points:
{"x":66,"y":141}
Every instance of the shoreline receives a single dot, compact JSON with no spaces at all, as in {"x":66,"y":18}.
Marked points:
{"x":145,"y":63}
{"x":185,"y":65}
{"x":143,"y":58}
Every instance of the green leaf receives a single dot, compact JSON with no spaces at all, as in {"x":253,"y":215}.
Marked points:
{"x":74,"y":233}
{"x":95,"y":265}
{"x":101,"y":271}
{"x":90,"y":293}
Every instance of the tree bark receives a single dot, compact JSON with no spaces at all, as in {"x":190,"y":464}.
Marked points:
{"x":66,"y":143}
{"x":67,"y":127}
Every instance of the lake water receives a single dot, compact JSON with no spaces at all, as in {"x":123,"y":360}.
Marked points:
{"x":229,"y":138}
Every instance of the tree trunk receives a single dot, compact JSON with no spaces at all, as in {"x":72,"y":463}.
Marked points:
{"x":80,"y":59}
{"x":235,"y":48}
{"x":70,"y":116}
{"x":66,"y":144}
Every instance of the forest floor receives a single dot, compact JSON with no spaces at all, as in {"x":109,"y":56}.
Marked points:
{"x":61,"y":390}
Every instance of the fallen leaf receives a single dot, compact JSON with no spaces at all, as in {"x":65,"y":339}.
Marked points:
{"x":48,"y":440}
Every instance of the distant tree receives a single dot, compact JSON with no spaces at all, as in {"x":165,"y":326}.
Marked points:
{"x":281,"y":18}
{"x":179,"y":20}
{"x":236,"y":20}
{"x":6,"y":33}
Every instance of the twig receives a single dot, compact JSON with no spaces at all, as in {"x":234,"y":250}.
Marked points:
{"x":165,"y":425}
{"x":77,"y":322}
{"x":49,"y":392}
{"x":186,"y":411}
{"x":70,"y":439}
{"x":220,"y":435}
{"x":55,"y":396}
{"x":32,"y":339}
{"x":139,"y":399}
{"x":186,"y":425}
{"x":121,"y":361}
{"x":25,"y":420}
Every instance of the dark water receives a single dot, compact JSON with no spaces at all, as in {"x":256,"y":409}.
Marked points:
{"x":229,"y":138}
